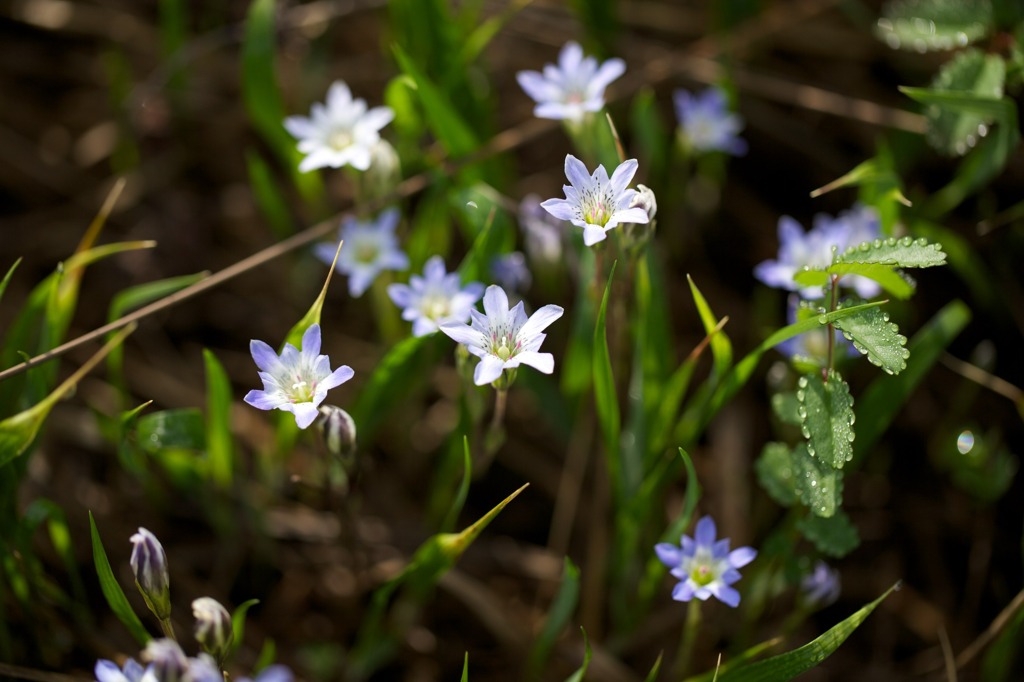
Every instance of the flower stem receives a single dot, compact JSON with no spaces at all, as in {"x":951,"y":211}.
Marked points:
{"x":168,"y":629}
{"x":685,"y":654}
{"x":831,"y":330}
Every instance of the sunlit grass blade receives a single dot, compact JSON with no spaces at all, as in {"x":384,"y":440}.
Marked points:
{"x":790,"y":664}
{"x":587,"y":653}
{"x":606,"y":399}
{"x":721,"y":347}
{"x":312,"y":315}
{"x":18,"y":431}
{"x":562,"y":608}
{"x":460,"y":497}
{"x":238,"y":622}
{"x":885,"y":397}
{"x":7,"y":278}
{"x":465,"y":668}
{"x":112,"y":590}
{"x":653,"y":674}
{"x":736,"y":662}
{"x":219,"y":442}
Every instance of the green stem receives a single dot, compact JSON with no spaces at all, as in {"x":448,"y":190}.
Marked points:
{"x":685,"y":654}
{"x":831,"y":330}
{"x":168,"y":629}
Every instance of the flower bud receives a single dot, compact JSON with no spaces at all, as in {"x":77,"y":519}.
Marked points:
{"x":213,"y":627}
{"x":384,"y":173}
{"x":338,"y":430}
{"x":637,"y":235}
{"x":149,"y":564}
{"x":645,"y":199}
{"x":168,"y":662}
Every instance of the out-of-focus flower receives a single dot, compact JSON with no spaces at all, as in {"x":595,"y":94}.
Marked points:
{"x":295,"y":382}
{"x":706,"y":122}
{"x":814,"y":249}
{"x":509,"y":270}
{"x":820,"y":587}
{"x":573,"y":88}
{"x":704,"y":566}
{"x":504,"y":339}
{"x":213,"y":628}
{"x":342,"y":133}
{"x":107,"y":671}
{"x":812,"y":347}
{"x":273,"y":673}
{"x":149,"y":564}
{"x":167,"y":662}
{"x":435,"y":297}
{"x":596,"y":202}
{"x":370,"y":248}
{"x":541,"y":230}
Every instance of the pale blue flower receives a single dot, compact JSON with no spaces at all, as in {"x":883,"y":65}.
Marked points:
{"x":435,"y":297}
{"x":510,"y":271}
{"x":815,"y":248}
{"x":704,"y":566}
{"x":107,"y":671}
{"x":706,"y":122}
{"x":596,"y":202}
{"x":504,"y":339}
{"x":343,"y":133}
{"x":820,"y":587}
{"x":573,"y":88}
{"x":273,"y":673}
{"x":542,"y":232}
{"x":297,"y":381}
{"x":370,"y":248}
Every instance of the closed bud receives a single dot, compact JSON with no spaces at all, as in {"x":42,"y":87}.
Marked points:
{"x":645,"y":199}
{"x":168,"y":662}
{"x":637,"y":235}
{"x":339,"y":433}
{"x":213,"y":627}
{"x":384,"y":173}
{"x":149,"y":564}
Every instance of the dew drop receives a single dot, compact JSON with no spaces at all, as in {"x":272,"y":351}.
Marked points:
{"x":885,"y":316}
{"x":803,"y":384}
{"x":850,"y":437}
{"x":982,"y":130}
{"x":822,"y":319}
{"x":965,"y":442}
{"x":877,"y":243}
{"x":906,"y":241}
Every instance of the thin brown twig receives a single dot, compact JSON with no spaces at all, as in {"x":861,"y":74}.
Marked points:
{"x":991,"y":632}
{"x":947,"y":655}
{"x":19,"y":673}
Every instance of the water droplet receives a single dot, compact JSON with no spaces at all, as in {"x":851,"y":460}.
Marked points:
{"x":906,"y":241}
{"x":822,"y":319}
{"x":850,"y":437}
{"x":965,"y":442}
{"x":877,"y":243}
{"x":885,"y":316}
{"x":472,"y":204}
{"x":922,"y":241}
{"x":803,"y":384}
{"x":982,"y":130}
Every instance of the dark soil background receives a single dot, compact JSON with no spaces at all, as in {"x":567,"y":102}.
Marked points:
{"x":67,"y":125}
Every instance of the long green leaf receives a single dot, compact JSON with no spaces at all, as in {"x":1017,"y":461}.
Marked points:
{"x":238,"y":622}
{"x":559,"y":615}
{"x":112,"y":590}
{"x":219,"y":443}
{"x":792,"y":663}
{"x":7,"y":278}
{"x":460,"y":497}
{"x":721,"y":347}
{"x":606,"y":399}
{"x":587,"y":653}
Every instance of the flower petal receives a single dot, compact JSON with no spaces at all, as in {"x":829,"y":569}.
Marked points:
{"x":593,"y":234}
{"x":337,"y":377}
{"x":742,"y":556}
{"x":705,"y":532}
{"x":540,"y":321}
{"x":577,"y":173}
{"x":496,"y":303}
{"x":725,"y":594}
{"x":542,"y":362}
{"x":622,"y":176}
{"x":488,"y":370}
{"x":305,"y":414}
{"x":563,"y":209}
{"x":311,"y":340}
{"x":668,"y":554}
{"x":264,"y":356}
{"x":683,"y":591}
{"x":463,"y":333}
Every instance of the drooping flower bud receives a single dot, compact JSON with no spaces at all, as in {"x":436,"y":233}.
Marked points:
{"x":213,"y":627}
{"x":168,"y":661}
{"x":339,"y":433}
{"x":149,"y":564}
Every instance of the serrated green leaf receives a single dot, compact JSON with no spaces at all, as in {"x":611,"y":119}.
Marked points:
{"x":786,"y":407}
{"x":905,"y":252}
{"x":606,"y":399}
{"x":819,"y":485}
{"x":964,"y":99}
{"x":876,"y":337}
{"x":112,"y":590}
{"x":827,"y":413}
{"x":835,"y":536}
{"x":775,"y":473}
{"x":582,"y":671}
{"x":559,"y":615}
{"x":922,"y":25}
{"x":238,"y":622}
{"x":219,"y":443}
{"x":884,"y":398}
{"x":792,"y":663}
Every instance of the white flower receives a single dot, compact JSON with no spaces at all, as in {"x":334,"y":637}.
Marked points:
{"x":595,"y":202}
{"x":370,"y":248}
{"x":504,"y":339}
{"x":295,"y":382}
{"x":434,"y":298}
{"x":339,"y":134}
{"x":573,"y":88}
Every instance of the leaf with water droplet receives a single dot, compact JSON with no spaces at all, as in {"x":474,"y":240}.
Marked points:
{"x":876,"y":337}
{"x":776,"y":473}
{"x":902,"y":254}
{"x":787,"y":408}
{"x":923,"y":25}
{"x":829,"y":420}
{"x":835,"y":536}
{"x":819,"y":486}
